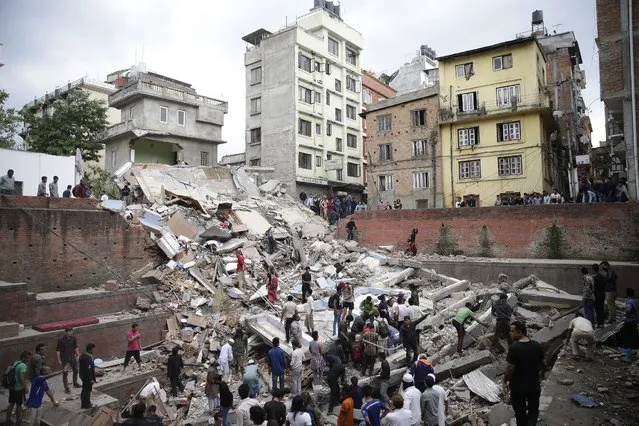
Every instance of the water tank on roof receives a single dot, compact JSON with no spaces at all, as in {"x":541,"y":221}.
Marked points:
{"x":336,"y":9}
{"x":328,"y":6}
{"x":538,"y":17}
{"x":318,"y":3}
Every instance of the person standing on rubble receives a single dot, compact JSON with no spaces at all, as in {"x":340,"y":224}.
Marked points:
{"x":226,"y":400}
{"x":251,"y":378}
{"x":611,"y":290}
{"x":270,"y":239}
{"x":464,"y":314}
{"x":309,"y":309}
{"x":275,"y":408}
{"x":277,"y":363}
{"x":410,"y":337}
{"x":212,"y":389}
{"x":317,"y":358}
{"x":502,"y":311}
{"x":420,"y":370}
{"x":297,"y":368}
{"x":87,"y":375}
{"x":174,"y":366}
{"x":393,"y":312}
{"x":225,"y":358}
{"x":296,"y":330}
{"x":370,"y":349}
{"x":350,"y":228}
{"x":524,"y":372}
{"x":239,"y":351}
{"x":133,"y":347}
{"x":67,"y":352}
{"x":272,"y":283}
{"x":347,"y":409}
{"x":288,"y":312}
{"x":335,"y":303}
{"x":600,"y":294}
{"x":335,"y":371}
{"x":241,"y":267}
{"x":243,"y":411}
{"x":628,"y":334}
{"x":588,"y":295}
{"x":306,"y":283}
{"x":348,"y":296}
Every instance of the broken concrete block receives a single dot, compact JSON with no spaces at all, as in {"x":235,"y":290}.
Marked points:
{"x":186,"y":334}
{"x":157,"y":296}
{"x":550,"y":299}
{"x":9,"y":329}
{"x":524,"y":282}
{"x":500,"y":414}
{"x":143,"y":303}
{"x":197,"y":321}
{"x":461,"y":366}
{"x":442,"y":293}
{"x":111,"y":285}
{"x":553,"y":331}
{"x":153,"y":277}
{"x":169,"y":245}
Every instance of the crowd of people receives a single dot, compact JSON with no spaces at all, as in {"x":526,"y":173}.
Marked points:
{"x":334,"y":208}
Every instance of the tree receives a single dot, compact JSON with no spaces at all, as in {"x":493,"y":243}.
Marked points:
{"x":75,"y":122}
{"x":9,"y":122}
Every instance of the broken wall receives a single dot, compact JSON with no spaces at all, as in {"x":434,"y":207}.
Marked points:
{"x":49,"y":244}
{"x":569,"y":231}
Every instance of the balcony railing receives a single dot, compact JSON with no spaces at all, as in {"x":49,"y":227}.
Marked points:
{"x":448,"y":112}
{"x":155,"y":90}
{"x":118,"y":129}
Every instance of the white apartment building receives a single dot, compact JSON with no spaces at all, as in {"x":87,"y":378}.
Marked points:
{"x":303,"y":102}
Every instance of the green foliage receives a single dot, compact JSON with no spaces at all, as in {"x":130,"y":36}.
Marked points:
{"x":485,"y":245}
{"x":446,"y":244}
{"x":75,"y":122}
{"x":100,"y":182}
{"x":9,"y":122}
{"x":555,"y":244}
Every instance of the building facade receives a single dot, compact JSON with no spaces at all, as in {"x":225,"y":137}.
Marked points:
{"x":303,"y":100}
{"x":161,"y":121}
{"x":420,"y":73}
{"x":496,"y":123}
{"x":404,"y":153}
{"x":618,"y":42}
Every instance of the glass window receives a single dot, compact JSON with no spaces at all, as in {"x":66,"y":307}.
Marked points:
{"x":386,"y":183}
{"x":256,"y":135}
{"x":509,"y":166}
{"x":305,"y":161}
{"x":256,"y":75}
{"x":256,"y":106}
{"x":385,"y":152}
{"x":304,"y":62}
{"x":384,"y":123}
{"x":164,"y":114}
{"x":351,"y":140}
{"x":333,"y":47}
{"x":352,"y":169}
{"x":181,"y":117}
{"x":351,"y":56}
{"x":420,"y":180}
{"x":420,"y":148}
{"x":470,"y":169}
{"x":304,"y":127}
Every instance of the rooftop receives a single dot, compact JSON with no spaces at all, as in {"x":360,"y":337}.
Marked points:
{"x":482,"y":49}
{"x":402,"y":99}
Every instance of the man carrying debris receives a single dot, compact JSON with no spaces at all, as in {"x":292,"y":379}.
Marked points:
{"x":288,"y":312}
{"x":410,"y":337}
{"x":277,"y":362}
{"x":225,"y":358}
{"x":241,"y":267}
{"x":525,"y":370}
{"x":588,"y":295}
{"x":580,"y":330}
{"x":306,"y":283}
{"x":502,"y":311}
{"x":464,"y":314}
{"x":309,"y":309}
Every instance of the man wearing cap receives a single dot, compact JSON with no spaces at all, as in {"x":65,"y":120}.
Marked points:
{"x":430,"y":403}
{"x":251,"y":378}
{"x":226,"y":356}
{"x":412,"y":399}
{"x":422,"y":368}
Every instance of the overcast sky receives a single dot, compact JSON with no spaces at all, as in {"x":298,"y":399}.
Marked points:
{"x":47,"y":43}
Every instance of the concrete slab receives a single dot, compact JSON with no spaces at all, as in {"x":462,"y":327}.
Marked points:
{"x":549,"y":298}
{"x":481,"y":385}
{"x":459,"y":367}
{"x":180,"y":225}
{"x":448,"y":290}
{"x":552,"y":332}
{"x":500,"y":414}
{"x":255,"y":222}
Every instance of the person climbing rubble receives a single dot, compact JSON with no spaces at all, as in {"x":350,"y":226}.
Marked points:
{"x":464,"y":314}
{"x":225,"y":358}
{"x":252,"y":379}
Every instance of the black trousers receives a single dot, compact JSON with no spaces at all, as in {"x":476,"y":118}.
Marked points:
{"x":287,"y":328}
{"x":526,"y":406}
{"x":176,"y":385}
{"x":73,"y":363}
{"x":132,"y":354}
{"x":85,"y":395}
{"x":460,"y":335}
{"x":368,"y":361}
{"x":600,"y":302}
{"x":334,"y":398}
{"x":411,"y":352}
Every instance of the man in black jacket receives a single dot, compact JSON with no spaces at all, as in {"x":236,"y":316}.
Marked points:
{"x":600,"y":295}
{"x":336,"y":370}
{"x":384,"y":377}
{"x":410,"y":338}
{"x":87,"y":375}
{"x":502,"y":311}
{"x":174,"y":367}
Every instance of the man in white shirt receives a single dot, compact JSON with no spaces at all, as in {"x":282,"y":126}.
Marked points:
{"x":442,"y":409}
{"x":308,"y":308}
{"x":403,"y":311}
{"x":393,"y":312}
{"x":296,"y":368}
{"x":412,"y":399}
{"x":399,"y":416}
{"x":226,"y":356}
{"x":580,"y":330}
{"x":288,"y":310}
{"x":243,"y":410}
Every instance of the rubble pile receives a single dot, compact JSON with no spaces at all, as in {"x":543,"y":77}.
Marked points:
{"x":199,"y":217}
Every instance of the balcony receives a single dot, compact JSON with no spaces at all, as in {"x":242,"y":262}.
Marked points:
{"x":143,"y":88}
{"x":529,"y":103}
{"x":118,"y":129}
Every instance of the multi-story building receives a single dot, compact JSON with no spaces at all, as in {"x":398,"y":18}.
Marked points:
{"x":161,"y":120}
{"x":373,"y":91}
{"x":618,"y":41}
{"x":404,"y":151}
{"x":496,"y":123}
{"x":97,"y":90}
{"x":417,"y":74}
{"x":303,"y":102}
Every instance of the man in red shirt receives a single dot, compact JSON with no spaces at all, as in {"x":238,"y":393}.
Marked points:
{"x":240,"y":267}
{"x":133,"y":346}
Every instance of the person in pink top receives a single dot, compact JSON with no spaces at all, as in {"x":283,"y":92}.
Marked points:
{"x":133,"y":346}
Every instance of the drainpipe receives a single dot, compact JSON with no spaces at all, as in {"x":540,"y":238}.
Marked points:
{"x":633,"y":93}
{"x":450,"y":139}
{"x":434,"y":166}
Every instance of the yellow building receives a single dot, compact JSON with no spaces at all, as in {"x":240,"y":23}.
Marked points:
{"x":496,"y":123}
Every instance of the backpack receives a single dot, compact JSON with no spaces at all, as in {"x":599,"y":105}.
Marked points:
{"x":334,"y":298}
{"x":382,"y":329}
{"x":356,"y":351}
{"x":9,"y":377}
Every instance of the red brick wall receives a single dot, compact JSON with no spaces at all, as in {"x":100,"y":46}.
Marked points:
{"x":591,"y":231}
{"x":57,"y":244}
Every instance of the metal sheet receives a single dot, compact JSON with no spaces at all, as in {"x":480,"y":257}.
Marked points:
{"x":481,"y":385}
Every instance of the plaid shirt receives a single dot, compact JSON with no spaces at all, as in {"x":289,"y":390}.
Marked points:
{"x":589,"y":287}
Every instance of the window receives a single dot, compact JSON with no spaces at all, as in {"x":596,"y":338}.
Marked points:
{"x":256,"y":106}
{"x":420,"y":148}
{"x":420,"y":180}
{"x":467,"y":102}
{"x":470,"y":169}
{"x":164,"y":114}
{"x":418,"y":117}
{"x":256,"y":135}
{"x":508,"y":131}
{"x":339,"y":145}
{"x":338,"y":85}
{"x":318,"y":97}
{"x":204,"y":158}
{"x":386,"y":182}
{"x":338,"y":115}
{"x":255,"y":163}
{"x":304,"y":128}
{"x":384,"y":123}
{"x":304,"y":62}
{"x":468,"y":137}
{"x":318,"y":161}
{"x":327,"y":68}
{"x":464,"y":70}
{"x":131,"y":112}
{"x":352,"y":169}
{"x":328,"y":97}
{"x":367,"y":96}
{"x":385,"y":152}
{"x":333,"y":47}
{"x":510,"y":166}
{"x":351,"y":112}
{"x":305,"y":95}
{"x":502,"y":62}
{"x":114,"y":159}
{"x":508,"y":95}
{"x":305,"y":161}
{"x":339,"y":174}
{"x":351,"y":141}
{"x":351,"y":84}
{"x":318,"y":129}
{"x":351,"y":56}
{"x":329,"y":129}
{"x":318,"y":66}
{"x":181,"y":118}
{"x":256,"y":75}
